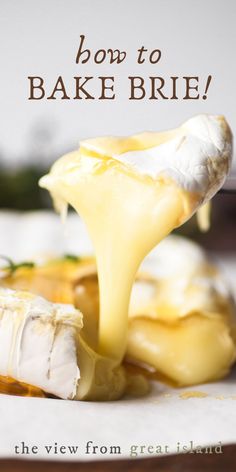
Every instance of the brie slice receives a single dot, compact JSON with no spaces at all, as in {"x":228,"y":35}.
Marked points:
{"x":197,"y":155}
{"x":38,"y":342}
{"x":182,"y":315}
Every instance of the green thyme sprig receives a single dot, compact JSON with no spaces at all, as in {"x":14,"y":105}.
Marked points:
{"x":11,"y":267}
{"x":71,"y":257}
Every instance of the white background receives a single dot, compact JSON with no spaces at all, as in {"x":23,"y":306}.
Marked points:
{"x":196,"y":37}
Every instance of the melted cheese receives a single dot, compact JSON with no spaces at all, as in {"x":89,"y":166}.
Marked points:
{"x":181,"y":315}
{"x":181,"y":323}
{"x":126,"y":216}
{"x":203,"y":217}
{"x":41,"y":346}
{"x":130,"y":202}
{"x":38,"y":342}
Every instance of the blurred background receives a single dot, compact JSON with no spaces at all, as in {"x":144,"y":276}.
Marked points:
{"x":196,"y":37}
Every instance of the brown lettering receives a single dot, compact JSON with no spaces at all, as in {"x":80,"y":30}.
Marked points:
{"x":80,"y":88}
{"x":174,"y":96}
{"x":190,"y":87}
{"x":102,"y":53}
{"x":82,"y":52}
{"x":34,"y":87}
{"x":105,"y":87}
{"x":155,"y":89}
{"x":141,"y":51}
{"x":59,"y":87}
{"x":116,"y":55}
{"x":156,"y":52}
{"x":134,"y":86}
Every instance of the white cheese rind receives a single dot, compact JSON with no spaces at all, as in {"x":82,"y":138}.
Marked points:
{"x":173,"y":257}
{"x":38,"y":342}
{"x":180,"y":272}
{"x":197,"y":155}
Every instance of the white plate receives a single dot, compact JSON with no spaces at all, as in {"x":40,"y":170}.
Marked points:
{"x":162,"y":419}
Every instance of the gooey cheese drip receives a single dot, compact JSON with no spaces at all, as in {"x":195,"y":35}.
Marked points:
{"x":126,"y":216}
{"x":129,"y":208}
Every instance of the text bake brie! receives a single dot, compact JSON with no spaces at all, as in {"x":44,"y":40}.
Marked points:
{"x":38,"y":342}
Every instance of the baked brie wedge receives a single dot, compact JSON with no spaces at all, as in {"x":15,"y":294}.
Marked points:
{"x":38,"y":342}
{"x":41,"y":345}
{"x":182,"y":321}
{"x":131,"y":193}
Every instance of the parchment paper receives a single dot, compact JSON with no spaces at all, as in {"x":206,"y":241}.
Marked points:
{"x":163,"y":422}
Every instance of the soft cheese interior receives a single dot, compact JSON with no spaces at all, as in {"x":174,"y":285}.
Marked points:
{"x":182,"y":324}
{"x":41,"y":345}
{"x":38,"y":342}
{"x":182,"y":315}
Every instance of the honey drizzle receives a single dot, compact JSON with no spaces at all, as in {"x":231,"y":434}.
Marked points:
{"x":12,"y":387}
